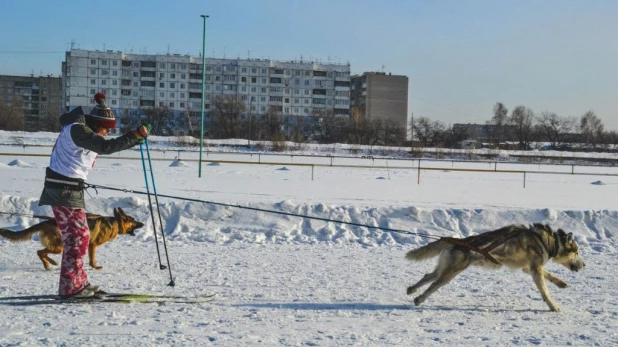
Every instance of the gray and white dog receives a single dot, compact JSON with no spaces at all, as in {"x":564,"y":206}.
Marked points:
{"x":526,"y":248}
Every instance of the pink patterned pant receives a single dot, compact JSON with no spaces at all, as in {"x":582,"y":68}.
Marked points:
{"x":75,"y":238}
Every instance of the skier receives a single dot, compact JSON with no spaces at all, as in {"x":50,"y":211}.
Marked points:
{"x":80,"y":141}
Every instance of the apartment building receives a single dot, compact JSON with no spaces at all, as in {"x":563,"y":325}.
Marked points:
{"x":134,"y":82}
{"x":38,"y":98}
{"x":378,"y":95}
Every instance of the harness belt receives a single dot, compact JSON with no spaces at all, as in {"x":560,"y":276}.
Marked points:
{"x":58,"y":181}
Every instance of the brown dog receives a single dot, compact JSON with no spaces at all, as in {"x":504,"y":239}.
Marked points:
{"x":102,"y":230}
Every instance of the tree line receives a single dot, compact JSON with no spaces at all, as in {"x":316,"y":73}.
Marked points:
{"x":519,"y":130}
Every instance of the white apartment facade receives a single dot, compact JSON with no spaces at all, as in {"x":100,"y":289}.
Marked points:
{"x":133,"y":82}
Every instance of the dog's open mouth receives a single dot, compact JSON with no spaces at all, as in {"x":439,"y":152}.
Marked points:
{"x":574,"y":268}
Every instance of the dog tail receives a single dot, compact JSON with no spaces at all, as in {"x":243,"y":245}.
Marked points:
{"x":430,"y":250}
{"x":20,"y":236}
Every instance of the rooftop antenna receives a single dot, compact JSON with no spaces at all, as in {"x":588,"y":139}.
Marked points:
{"x":382,"y":67}
{"x":103,"y":47}
{"x":248,"y":55}
{"x":168,"y":49}
{"x":224,"y":52}
{"x":72,"y":44}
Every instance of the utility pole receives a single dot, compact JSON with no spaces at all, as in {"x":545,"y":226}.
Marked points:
{"x":203,"y":93}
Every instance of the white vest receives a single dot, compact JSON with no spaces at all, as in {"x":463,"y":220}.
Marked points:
{"x":70,"y":160}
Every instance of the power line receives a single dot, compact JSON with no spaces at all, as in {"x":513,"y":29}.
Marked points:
{"x":31,"y":52}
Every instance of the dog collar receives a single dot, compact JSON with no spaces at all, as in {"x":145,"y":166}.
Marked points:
{"x":554,"y":253}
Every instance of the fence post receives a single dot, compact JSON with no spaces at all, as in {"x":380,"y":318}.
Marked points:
{"x":572,"y":169}
{"x":312,"y":172}
{"x":418,"y":181}
{"x":524,"y":179}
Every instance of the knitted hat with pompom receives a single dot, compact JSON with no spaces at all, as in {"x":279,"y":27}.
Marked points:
{"x":101,"y":116}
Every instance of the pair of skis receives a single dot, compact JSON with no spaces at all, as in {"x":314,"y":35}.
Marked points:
{"x":127,"y":298}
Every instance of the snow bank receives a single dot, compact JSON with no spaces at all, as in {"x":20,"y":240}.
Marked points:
{"x":202,"y":222}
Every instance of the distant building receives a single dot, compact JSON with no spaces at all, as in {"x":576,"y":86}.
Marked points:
{"x":38,"y":97}
{"x":381,"y":96}
{"x":134,"y":82}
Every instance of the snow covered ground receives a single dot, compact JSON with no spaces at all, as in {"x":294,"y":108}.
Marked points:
{"x":285,"y":280}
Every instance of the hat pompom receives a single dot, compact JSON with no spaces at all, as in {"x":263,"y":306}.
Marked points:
{"x":101,"y":116}
{"x":99,"y":98}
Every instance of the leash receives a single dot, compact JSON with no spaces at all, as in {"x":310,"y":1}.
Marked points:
{"x":132,"y":191}
{"x":154,"y":188}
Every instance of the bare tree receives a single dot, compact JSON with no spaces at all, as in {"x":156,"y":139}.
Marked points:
{"x":428,"y":133}
{"x":499,"y":122}
{"x":556,"y":130}
{"x":522,"y":124}
{"x":328,"y":127}
{"x":12,"y":114}
{"x":361,"y":130}
{"x":226,"y":116}
{"x":592,"y":129}
{"x":157,"y":117}
{"x":452,"y":137}
{"x":269,"y":126}
{"x":391,"y":133}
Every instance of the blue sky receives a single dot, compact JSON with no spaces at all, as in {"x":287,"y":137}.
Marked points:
{"x":461,"y":57}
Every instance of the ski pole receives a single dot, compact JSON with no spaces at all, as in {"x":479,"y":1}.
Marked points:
{"x":154,"y":189}
{"x":154,"y":225}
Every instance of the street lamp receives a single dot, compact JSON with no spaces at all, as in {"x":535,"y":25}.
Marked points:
{"x":203,"y":92}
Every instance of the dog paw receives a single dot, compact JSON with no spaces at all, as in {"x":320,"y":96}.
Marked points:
{"x":410,"y":290}
{"x":95,"y":266}
{"x":562,"y":285}
{"x":417,"y":301}
{"x":555,"y":308}
{"x":53,"y":262}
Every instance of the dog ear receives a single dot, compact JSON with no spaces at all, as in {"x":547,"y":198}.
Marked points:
{"x":121,"y":212}
{"x":115,"y":210}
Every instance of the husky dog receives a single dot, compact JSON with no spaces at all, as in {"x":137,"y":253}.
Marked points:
{"x":102,"y":230}
{"x":516,"y":246}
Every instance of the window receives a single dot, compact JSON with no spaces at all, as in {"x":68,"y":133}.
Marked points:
{"x":114,"y":73}
{"x":92,"y":91}
{"x":263,"y":71}
{"x":262,"y":98}
{"x":296,"y":91}
{"x":276,"y":98}
{"x":276,"y":80}
{"x":173,"y":66}
{"x":162,"y":65}
{"x":296,"y":100}
{"x":172,"y":95}
{"x":263,"y":90}
{"x":253,"y":70}
{"x":93,"y":81}
{"x":307,"y":82}
{"x":253,"y":80}
{"x":183,"y":76}
{"x":93,"y":62}
{"x":114,"y":92}
{"x":103,"y":62}
{"x":306,"y":91}
{"x":263,"y":80}
{"x":243,"y":79}
{"x":243,"y":89}
{"x":161,"y":94}
{"x":217,"y":78}
{"x":135,"y":84}
{"x":115,"y":63}
{"x":135,"y":74}
{"x":161,"y":85}
{"x":113,"y":102}
{"x":93,"y":71}
{"x":182,"y":95}
{"x":182,"y":104}
{"x":244,"y":70}
{"x":103,"y":82}
{"x":172,"y":85}
{"x":161,"y":75}
{"x":173,"y":76}
{"x":171,"y":104}
{"x":182,"y":86}
{"x":253,"y":89}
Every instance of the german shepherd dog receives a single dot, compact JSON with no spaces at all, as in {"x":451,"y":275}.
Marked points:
{"x":526,"y":248}
{"x":102,"y":230}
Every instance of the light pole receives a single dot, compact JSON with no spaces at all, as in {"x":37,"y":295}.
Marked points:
{"x":203,"y":93}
